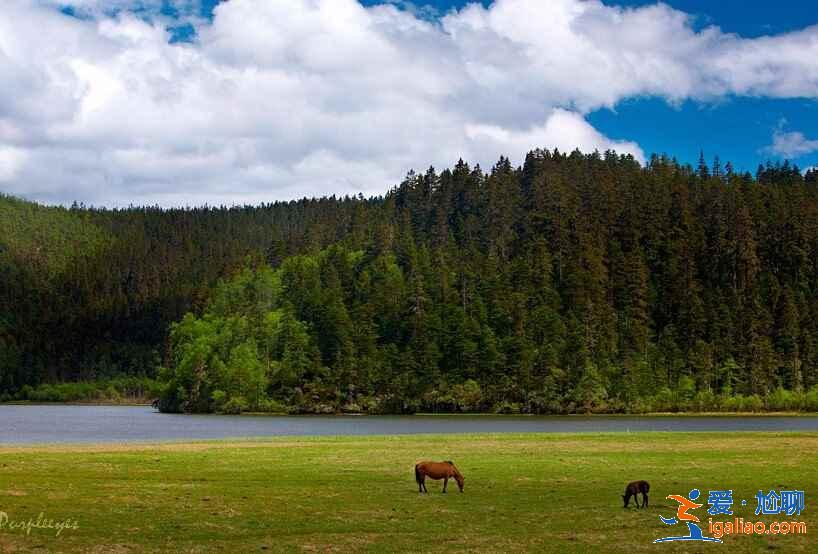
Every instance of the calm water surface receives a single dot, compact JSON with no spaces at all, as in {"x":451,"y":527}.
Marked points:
{"x":58,"y":423}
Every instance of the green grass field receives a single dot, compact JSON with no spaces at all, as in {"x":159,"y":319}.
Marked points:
{"x":533,"y":492}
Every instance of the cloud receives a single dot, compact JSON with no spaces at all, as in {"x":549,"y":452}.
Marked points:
{"x":11,"y":160}
{"x":791,"y":144}
{"x":563,"y":129}
{"x":279,"y":100}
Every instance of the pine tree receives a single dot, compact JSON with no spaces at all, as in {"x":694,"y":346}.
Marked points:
{"x":717,"y":172}
{"x":702,"y":171}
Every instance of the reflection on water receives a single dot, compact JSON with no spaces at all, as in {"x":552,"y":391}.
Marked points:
{"x":59,"y":423}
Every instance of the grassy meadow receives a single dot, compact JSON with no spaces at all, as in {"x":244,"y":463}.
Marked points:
{"x":523,"y":493}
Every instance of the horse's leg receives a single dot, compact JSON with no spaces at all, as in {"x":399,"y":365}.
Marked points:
{"x":636,"y":500}
{"x":445,"y":482}
{"x":423,"y":482}
{"x":644,"y":500}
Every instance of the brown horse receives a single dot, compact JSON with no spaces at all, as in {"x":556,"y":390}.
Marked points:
{"x":634,"y":489}
{"x":437,"y":470}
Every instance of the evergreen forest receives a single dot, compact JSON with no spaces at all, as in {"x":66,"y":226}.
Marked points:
{"x":574,"y":283}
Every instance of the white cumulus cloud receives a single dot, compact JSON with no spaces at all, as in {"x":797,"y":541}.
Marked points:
{"x":286,"y":98}
{"x":792,"y":144}
{"x":11,"y":160}
{"x":563,"y":129}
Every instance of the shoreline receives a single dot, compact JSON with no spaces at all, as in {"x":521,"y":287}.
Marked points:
{"x":143,"y":403}
{"x":140,"y":402}
{"x":277,"y":441}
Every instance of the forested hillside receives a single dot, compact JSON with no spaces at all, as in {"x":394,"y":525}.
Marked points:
{"x":576,"y":282}
{"x":90,"y":293}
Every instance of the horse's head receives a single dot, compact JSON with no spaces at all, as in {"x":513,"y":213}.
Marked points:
{"x":459,"y":478}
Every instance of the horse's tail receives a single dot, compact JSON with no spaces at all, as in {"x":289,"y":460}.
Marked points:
{"x":417,"y":473}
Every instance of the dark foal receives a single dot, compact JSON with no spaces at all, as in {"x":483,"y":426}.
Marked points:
{"x":634,"y":489}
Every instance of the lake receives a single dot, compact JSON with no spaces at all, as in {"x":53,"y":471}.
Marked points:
{"x":31,"y":424}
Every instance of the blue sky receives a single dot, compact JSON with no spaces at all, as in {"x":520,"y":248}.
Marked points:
{"x":168,"y":102}
{"x":734,"y":128}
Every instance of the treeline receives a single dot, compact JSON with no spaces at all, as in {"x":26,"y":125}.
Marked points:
{"x":88,"y":294}
{"x":118,"y":390}
{"x":354,"y":331}
{"x":573,"y":283}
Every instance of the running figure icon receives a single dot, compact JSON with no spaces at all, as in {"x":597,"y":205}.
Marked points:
{"x":683,"y":515}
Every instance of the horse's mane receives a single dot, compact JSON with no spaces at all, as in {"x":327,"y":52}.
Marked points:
{"x":454,"y":467}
